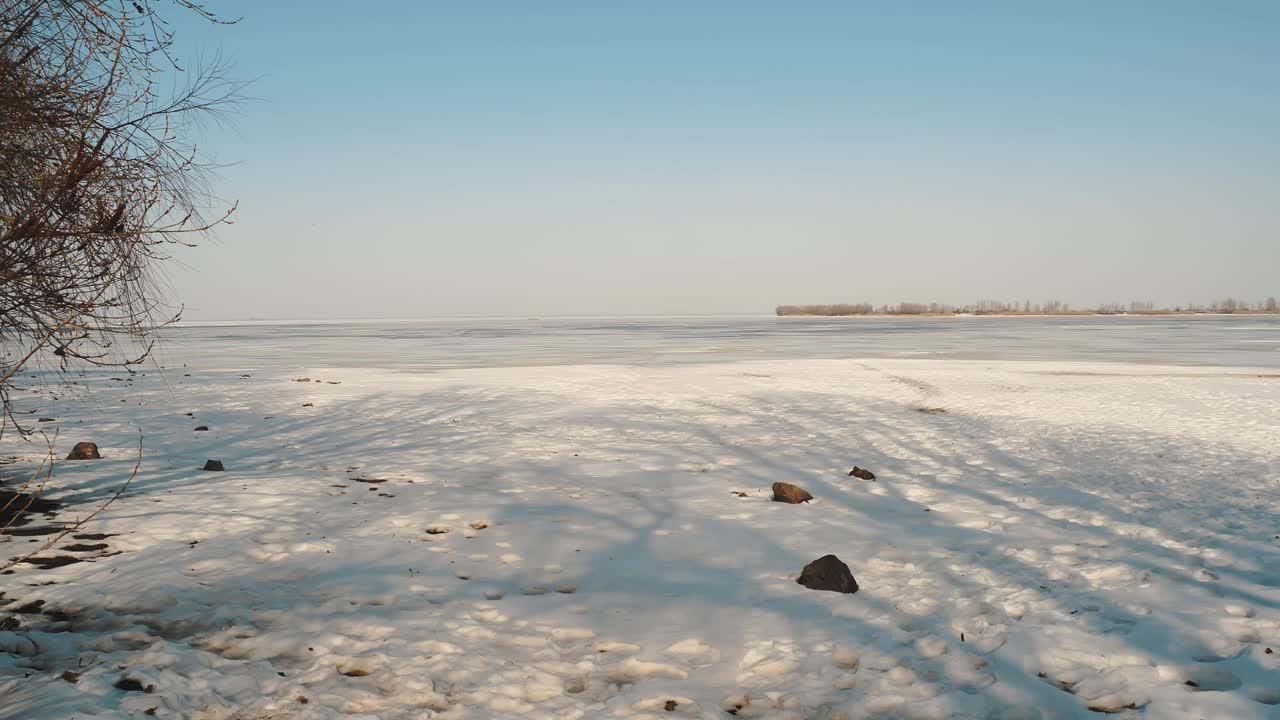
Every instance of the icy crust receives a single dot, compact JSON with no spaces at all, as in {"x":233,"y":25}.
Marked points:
{"x":1042,"y":541}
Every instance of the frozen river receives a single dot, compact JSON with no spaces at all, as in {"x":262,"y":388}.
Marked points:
{"x":1239,"y":341}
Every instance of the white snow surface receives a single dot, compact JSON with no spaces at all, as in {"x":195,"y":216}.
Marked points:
{"x":1049,"y":540}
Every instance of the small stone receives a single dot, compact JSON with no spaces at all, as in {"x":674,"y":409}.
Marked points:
{"x":129,"y":684}
{"x":303,"y":380}
{"x":202,"y":428}
{"x":739,"y":493}
{"x":84,"y":451}
{"x":788,"y":493}
{"x":862,"y":473}
{"x":47,"y":420}
{"x":670,"y":706}
{"x":213,"y":466}
{"x":828,"y":573}
{"x":435,"y":529}
{"x":308,"y":404}
{"x":566,"y":588}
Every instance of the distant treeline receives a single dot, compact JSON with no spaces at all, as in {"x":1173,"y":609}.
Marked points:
{"x":1026,"y":307}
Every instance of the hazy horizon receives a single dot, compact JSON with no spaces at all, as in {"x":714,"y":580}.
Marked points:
{"x":572,"y":159}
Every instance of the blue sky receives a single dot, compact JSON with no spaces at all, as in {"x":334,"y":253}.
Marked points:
{"x":416,"y":159}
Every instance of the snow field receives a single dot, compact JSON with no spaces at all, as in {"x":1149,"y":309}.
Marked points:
{"x":1044,"y":541}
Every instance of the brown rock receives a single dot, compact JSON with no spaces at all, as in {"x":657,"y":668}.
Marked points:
{"x":213,"y":466}
{"x":788,"y":493}
{"x":862,"y":473}
{"x":828,"y":573}
{"x":202,"y":428}
{"x":84,"y":451}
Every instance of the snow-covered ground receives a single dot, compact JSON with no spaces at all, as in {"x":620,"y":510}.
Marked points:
{"x":1044,"y":540}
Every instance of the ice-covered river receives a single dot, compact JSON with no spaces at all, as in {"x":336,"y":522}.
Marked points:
{"x":1241,"y":341}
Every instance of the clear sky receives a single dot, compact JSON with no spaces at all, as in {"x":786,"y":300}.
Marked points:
{"x":419,"y":159}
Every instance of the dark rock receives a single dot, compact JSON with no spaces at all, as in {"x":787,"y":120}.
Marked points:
{"x":47,"y":420}
{"x":9,"y":623}
{"x":129,"y":684}
{"x":828,"y":573}
{"x":213,"y":466}
{"x":308,"y":404}
{"x":84,"y":451}
{"x":303,"y":380}
{"x":71,"y":677}
{"x":788,"y":493}
{"x":739,"y":493}
{"x":862,"y":473}
{"x":202,"y":428}
{"x":670,"y":706}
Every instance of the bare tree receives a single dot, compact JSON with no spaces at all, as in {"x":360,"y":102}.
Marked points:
{"x":99,"y":178}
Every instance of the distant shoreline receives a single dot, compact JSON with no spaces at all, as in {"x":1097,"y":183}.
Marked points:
{"x":1064,"y":313}
{"x":1050,"y":308}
